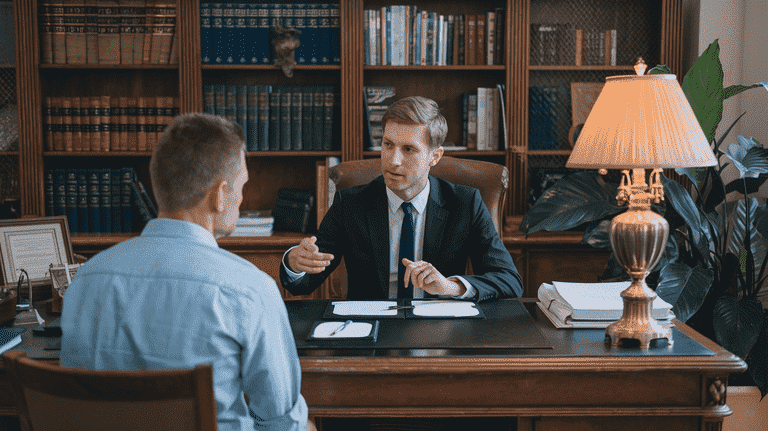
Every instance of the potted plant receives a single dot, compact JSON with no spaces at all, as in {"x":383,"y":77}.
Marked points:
{"x":715,"y":265}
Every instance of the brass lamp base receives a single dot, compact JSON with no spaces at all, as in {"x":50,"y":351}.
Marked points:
{"x":636,"y":322}
{"x":638,"y":238}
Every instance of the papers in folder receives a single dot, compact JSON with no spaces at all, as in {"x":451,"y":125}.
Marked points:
{"x":590,"y":305}
{"x":332,"y":330}
{"x":444,"y":308}
{"x":364,"y":308}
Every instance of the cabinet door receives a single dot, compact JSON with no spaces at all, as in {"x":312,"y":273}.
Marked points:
{"x":10,"y":203}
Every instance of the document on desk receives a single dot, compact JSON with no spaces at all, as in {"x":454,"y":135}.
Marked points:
{"x":364,"y":308}
{"x":444,"y":308}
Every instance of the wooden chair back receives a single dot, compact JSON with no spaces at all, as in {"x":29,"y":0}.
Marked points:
{"x":491,"y":179}
{"x":52,"y":398}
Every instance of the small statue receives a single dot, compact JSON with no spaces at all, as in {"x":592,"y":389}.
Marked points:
{"x":285,"y":46}
{"x":640,"y":66}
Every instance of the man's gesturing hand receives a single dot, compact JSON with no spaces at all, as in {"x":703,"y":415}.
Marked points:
{"x":307,"y":257}
{"x":426,"y":277}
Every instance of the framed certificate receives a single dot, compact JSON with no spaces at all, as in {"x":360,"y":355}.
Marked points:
{"x":33,"y":245}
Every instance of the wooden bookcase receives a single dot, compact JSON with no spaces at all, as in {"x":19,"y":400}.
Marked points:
{"x":270,"y":171}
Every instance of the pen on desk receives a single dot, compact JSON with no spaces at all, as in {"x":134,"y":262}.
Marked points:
{"x":406,"y":307}
{"x":340,"y":328}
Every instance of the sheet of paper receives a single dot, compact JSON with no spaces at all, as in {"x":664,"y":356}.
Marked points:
{"x":353,"y":330}
{"x":449,"y":309}
{"x":364,"y":308}
{"x":599,"y":296}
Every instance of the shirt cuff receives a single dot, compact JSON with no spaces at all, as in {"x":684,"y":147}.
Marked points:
{"x":293,"y":420}
{"x":292,"y":276}
{"x":471,"y":291}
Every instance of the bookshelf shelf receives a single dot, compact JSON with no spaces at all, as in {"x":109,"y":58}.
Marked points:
{"x":577,"y":68}
{"x":97,"y":153}
{"x":110,"y":66}
{"x":452,"y":153}
{"x":416,"y":68}
{"x":549,"y":152}
{"x":252,"y":154}
{"x":8,"y":153}
{"x":7,"y":66}
{"x":266,"y":67}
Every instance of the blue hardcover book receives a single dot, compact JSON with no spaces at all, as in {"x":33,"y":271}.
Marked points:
{"x":218,"y":40}
{"x":82,"y":200}
{"x":449,"y":41}
{"x":265,"y":51}
{"x":206,"y":54}
{"x":418,"y":42}
{"x":251,"y":39}
{"x":105,"y":194}
{"x":318,"y":117}
{"x":220,"y":100}
{"x":241,"y":108}
{"x":274,"y":119}
{"x":311,"y":34}
{"x":94,"y":200}
{"x":209,"y":99}
{"x":464,"y":117}
{"x":126,"y":191}
{"x":335,"y":42}
{"x":296,"y":114}
{"x":542,"y":119}
{"x":230,"y":102}
{"x":263,"y":93}
{"x":286,"y":97}
{"x":388,"y":44}
{"x":307,"y":110}
{"x":328,"y":108}
{"x":300,"y":24}
{"x":324,"y":33}
{"x":71,"y":193}
{"x":49,"y":192}
{"x":367,"y":36}
{"x":398,"y":35}
{"x":239,"y":41}
{"x":430,"y":37}
{"x":229,"y":37}
{"x":252,"y":120}
{"x":117,"y":225}
{"x":59,"y":192}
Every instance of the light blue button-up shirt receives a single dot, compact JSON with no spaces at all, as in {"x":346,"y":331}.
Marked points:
{"x":171,"y":298}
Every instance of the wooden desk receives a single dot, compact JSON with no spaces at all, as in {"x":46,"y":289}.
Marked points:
{"x":577,"y":384}
{"x":570,"y":387}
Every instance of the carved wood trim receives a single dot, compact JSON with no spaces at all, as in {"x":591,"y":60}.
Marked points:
{"x":517,"y":102}
{"x":352,"y":80}
{"x":717,"y":389}
{"x":29,"y":108}
{"x":672,"y":36}
{"x":190,"y":73}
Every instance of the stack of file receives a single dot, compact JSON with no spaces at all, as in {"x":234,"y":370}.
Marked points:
{"x":591,"y":305}
{"x":254,"y":223}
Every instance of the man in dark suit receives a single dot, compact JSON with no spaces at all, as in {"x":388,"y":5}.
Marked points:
{"x":407,"y":234}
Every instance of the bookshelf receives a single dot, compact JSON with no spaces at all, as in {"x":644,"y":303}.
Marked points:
{"x":9,"y":149}
{"x":651,"y":28}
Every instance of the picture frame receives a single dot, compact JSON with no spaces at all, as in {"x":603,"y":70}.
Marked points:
{"x":33,"y":244}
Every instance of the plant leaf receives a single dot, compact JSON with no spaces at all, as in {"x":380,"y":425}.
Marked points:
{"x":737,"y":324}
{"x":684,"y":287}
{"x":733,"y":90}
{"x":761,"y":220}
{"x":703,"y":86}
{"x":757,"y":360}
{"x":613,"y":269}
{"x":659,"y":69}
{"x":758,"y":245}
{"x":683,"y":203}
{"x":598,"y":234}
{"x":578,"y":198}
{"x":753,"y":185}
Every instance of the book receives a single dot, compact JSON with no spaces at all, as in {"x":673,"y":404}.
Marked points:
{"x":131,"y":114}
{"x":94,"y":200}
{"x":74,"y":21}
{"x":274,"y":119}
{"x":255,"y":218}
{"x":379,"y":98}
{"x":71,"y":200}
{"x":116,"y":201}
{"x":126,"y":191}
{"x":105,"y":123}
{"x":48,"y":123}
{"x":328,"y":110}
{"x":334,"y":40}
{"x":105,"y":196}
{"x":472,"y":122}
{"x":77,"y":132}
{"x":297,"y":128}
{"x":614,"y":44}
{"x":240,"y":51}
{"x":139,"y":29}
{"x":49,"y":193}
{"x":59,"y":192}
{"x":252,"y":119}
{"x":498,"y":48}
{"x":263,"y":92}
{"x":286,"y":96}
{"x":45,"y":29}
{"x":66,"y":126}
{"x":108,"y":18}
{"x":205,"y":33}
{"x":318,"y":117}
{"x":241,"y":108}
{"x":82,"y":200}
{"x":573,"y":302}
{"x":9,"y":338}
{"x":141,"y":123}
{"x":307,"y":112}
{"x":579,"y":43}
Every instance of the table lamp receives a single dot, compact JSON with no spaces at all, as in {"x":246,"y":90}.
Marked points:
{"x":639,"y":122}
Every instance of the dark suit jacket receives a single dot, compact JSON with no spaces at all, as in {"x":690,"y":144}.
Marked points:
{"x":458,"y":226}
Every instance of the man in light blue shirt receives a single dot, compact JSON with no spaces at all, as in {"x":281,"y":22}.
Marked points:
{"x":171,"y":298}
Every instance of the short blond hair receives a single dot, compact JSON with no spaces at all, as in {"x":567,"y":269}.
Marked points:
{"x":419,"y":111}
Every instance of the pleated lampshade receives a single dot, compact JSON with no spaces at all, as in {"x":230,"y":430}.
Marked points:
{"x":641,"y":122}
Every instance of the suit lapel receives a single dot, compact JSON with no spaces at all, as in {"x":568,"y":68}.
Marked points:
{"x":378,"y":228}
{"x":436,"y":217}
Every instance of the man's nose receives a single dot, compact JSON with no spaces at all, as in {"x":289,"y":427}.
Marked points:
{"x":397,"y":157}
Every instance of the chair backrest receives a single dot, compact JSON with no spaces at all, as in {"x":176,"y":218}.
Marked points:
{"x":52,"y":398}
{"x":490,"y":179}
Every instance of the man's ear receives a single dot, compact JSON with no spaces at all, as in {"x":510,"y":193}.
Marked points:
{"x":437,"y":155}
{"x":217,"y":194}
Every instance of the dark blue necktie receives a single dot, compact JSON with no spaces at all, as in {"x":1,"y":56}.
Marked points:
{"x":406,"y":251}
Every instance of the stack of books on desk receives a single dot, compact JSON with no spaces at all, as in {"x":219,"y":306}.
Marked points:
{"x":591,"y":305}
{"x":254,"y":223}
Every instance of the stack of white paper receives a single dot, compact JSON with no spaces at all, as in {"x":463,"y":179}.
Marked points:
{"x":254,"y":223}
{"x":590,"y":305}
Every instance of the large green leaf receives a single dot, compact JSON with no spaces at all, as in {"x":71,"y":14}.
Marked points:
{"x":578,"y":198}
{"x":737,"y":324}
{"x":761,"y":220}
{"x":703,"y":86}
{"x":751,"y":258}
{"x":733,"y":90}
{"x":684,"y":287}
{"x":682,"y":202}
{"x":598,"y":234}
{"x":757,"y":360}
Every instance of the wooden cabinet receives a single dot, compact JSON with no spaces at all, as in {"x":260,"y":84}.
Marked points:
{"x":650,"y":28}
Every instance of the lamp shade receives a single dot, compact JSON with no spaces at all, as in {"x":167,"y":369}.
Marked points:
{"x":641,"y":122}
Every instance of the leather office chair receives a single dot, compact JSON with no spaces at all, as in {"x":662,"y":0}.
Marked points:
{"x":490,"y":179}
{"x":51,"y":398}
